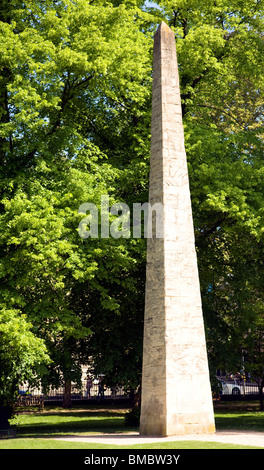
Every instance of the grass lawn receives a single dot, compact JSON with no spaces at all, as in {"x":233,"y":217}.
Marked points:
{"x":39,"y":443}
{"x":37,"y":430}
{"x":74,"y":422}
{"x":239,"y":416}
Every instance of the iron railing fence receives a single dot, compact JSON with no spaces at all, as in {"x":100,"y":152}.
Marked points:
{"x":96,"y":390}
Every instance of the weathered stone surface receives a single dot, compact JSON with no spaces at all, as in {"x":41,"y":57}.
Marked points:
{"x":176,"y":392}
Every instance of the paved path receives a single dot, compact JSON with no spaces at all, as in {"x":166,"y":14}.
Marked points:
{"x":127,"y":439}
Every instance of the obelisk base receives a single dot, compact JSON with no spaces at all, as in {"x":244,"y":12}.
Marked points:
{"x":198,"y":424}
{"x":191,"y":418}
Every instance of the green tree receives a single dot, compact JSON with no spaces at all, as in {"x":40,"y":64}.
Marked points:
{"x":23,"y":358}
{"x":254,"y":351}
{"x":76,"y":79}
{"x":64,"y":281}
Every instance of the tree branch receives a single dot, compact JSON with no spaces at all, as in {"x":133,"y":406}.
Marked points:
{"x":186,"y":96}
{"x":67,"y":95}
{"x":217,"y":109}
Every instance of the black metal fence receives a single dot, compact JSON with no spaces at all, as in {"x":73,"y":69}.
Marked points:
{"x":95,"y":390}
{"x":85,"y":392}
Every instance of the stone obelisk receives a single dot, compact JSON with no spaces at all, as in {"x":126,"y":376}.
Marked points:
{"x":176,"y":392}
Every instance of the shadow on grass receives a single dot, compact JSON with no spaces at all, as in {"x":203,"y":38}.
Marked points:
{"x":70,"y":422}
{"x":240,"y":421}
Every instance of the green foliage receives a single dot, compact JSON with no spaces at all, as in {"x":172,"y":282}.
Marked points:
{"x":75,"y":80}
{"x":63,"y":279}
{"x":23,"y":356}
{"x":72,"y":70}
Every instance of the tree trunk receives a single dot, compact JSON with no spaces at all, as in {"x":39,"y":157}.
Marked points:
{"x":261,"y":397}
{"x":67,"y":394}
{"x":5,"y":415}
